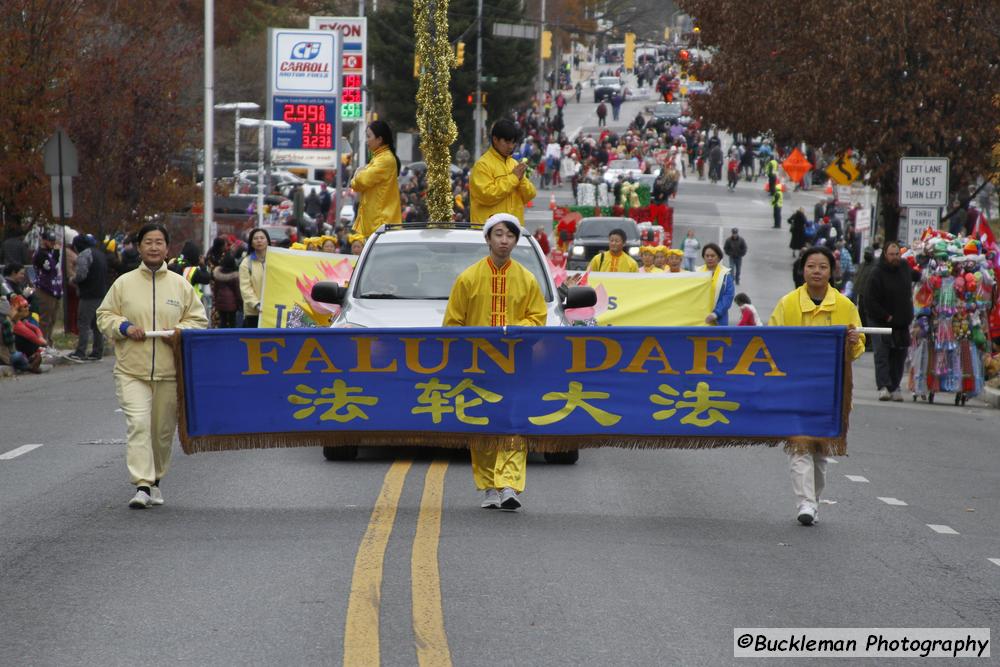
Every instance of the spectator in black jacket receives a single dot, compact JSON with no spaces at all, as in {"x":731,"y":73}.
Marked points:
{"x":888,"y":298}
{"x":735,"y":248}
{"x":91,"y":280}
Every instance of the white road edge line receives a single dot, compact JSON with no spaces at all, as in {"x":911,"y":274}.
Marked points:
{"x":14,"y":453}
{"x":943,"y":530}
{"x":857,"y":478}
{"x":892,"y":501}
{"x":995,"y":561}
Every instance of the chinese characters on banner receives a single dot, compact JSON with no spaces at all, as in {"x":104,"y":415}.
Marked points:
{"x":661,"y":386}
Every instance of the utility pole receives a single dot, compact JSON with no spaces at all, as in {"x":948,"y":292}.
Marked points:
{"x":479,"y":81}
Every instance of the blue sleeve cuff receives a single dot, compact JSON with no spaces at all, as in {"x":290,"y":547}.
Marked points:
{"x":123,"y":327}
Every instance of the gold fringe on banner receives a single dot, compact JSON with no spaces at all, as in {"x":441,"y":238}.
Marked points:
{"x":449,"y":440}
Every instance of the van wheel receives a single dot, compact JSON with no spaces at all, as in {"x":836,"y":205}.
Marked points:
{"x":348,"y":453}
{"x":563,"y":458}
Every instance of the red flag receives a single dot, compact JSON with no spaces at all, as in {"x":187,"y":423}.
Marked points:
{"x":983,"y":232}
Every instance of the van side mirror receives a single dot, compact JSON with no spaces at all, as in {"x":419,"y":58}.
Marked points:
{"x":329,"y":292}
{"x":580,"y":297}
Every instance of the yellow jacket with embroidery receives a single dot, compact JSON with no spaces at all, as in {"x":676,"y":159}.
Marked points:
{"x":486,"y":296}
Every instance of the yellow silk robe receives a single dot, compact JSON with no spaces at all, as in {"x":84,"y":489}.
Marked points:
{"x":483,"y":296}
{"x":486,"y":296}
{"x":493,"y":188}
{"x":608,"y":263}
{"x":378,"y":184}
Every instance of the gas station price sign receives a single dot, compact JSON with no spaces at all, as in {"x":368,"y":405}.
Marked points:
{"x":351,"y":104}
{"x":313,"y":122}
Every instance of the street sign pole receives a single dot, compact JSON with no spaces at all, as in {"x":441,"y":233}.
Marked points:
{"x":62,"y":230}
{"x":337,"y":196}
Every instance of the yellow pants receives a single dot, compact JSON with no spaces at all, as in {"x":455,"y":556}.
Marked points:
{"x":496,"y":469}
{"x":151,"y":418}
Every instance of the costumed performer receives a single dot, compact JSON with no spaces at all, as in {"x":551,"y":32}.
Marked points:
{"x":722,"y":284}
{"x":497,"y":183}
{"x":377,"y":183}
{"x":150,"y":297}
{"x":497,"y":291}
{"x":815,"y":304}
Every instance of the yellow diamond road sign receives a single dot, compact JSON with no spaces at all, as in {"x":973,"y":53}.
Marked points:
{"x":843,"y":171}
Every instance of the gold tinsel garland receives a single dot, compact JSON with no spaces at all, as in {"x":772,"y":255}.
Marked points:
{"x":434,"y":121}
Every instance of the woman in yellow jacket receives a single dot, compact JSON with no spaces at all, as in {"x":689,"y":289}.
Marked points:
{"x":148,"y":298}
{"x":378,"y":182}
{"x":252,"y":276}
{"x":816,"y":304}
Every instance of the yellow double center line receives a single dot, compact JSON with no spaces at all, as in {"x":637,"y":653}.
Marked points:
{"x":361,"y":631}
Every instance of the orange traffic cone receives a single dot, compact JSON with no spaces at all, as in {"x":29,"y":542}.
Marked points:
{"x":552,"y":203}
{"x":829,"y":186}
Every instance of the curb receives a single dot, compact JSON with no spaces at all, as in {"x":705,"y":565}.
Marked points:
{"x":991,"y":396}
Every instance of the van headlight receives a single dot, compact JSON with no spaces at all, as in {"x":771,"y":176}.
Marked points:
{"x":578,"y":251}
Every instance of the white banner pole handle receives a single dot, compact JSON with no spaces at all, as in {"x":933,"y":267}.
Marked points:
{"x":160,"y":334}
{"x":868,"y":331}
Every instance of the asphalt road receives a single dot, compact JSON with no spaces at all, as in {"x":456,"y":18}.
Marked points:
{"x":627,"y":558}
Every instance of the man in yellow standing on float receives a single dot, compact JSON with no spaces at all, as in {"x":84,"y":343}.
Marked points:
{"x":498,"y":183}
{"x":497,"y":291}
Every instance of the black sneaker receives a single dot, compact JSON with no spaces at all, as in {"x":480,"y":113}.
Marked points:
{"x":94,"y":357}
{"x":78,"y":358}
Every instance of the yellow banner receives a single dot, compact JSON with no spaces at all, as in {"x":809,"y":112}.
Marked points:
{"x":652,"y":299}
{"x":289,"y":276}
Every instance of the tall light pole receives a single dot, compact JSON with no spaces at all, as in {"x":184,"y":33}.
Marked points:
{"x":237,"y":107}
{"x":262,"y":126}
{"x":209,"y":169}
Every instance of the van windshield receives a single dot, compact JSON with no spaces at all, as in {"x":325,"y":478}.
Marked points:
{"x":415,"y":270}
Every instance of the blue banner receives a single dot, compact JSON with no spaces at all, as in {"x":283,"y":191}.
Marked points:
{"x":630,"y":386}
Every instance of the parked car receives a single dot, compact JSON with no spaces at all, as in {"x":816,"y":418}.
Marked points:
{"x":592,"y":237}
{"x":405,"y":274}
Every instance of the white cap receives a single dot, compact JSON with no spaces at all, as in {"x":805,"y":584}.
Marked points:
{"x":496,"y":218}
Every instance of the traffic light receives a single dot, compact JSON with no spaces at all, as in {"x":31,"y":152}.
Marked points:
{"x":416,"y":66}
{"x":546,"y":44}
{"x":630,"y":50}
{"x":459,"y":54}
{"x":470,"y":98}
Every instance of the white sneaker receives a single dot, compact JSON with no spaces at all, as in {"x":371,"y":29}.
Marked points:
{"x":155,"y":496}
{"x":491,"y":499}
{"x":884,"y":394}
{"x":509,"y":500}
{"x":897,"y":396}
{"x":140,"y":500}
{"x":807,"y":514}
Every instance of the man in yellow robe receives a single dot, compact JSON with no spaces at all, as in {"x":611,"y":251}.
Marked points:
{"x":498,"y":183}
{"x":614,"y":259}
{"x":497,"y":291}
